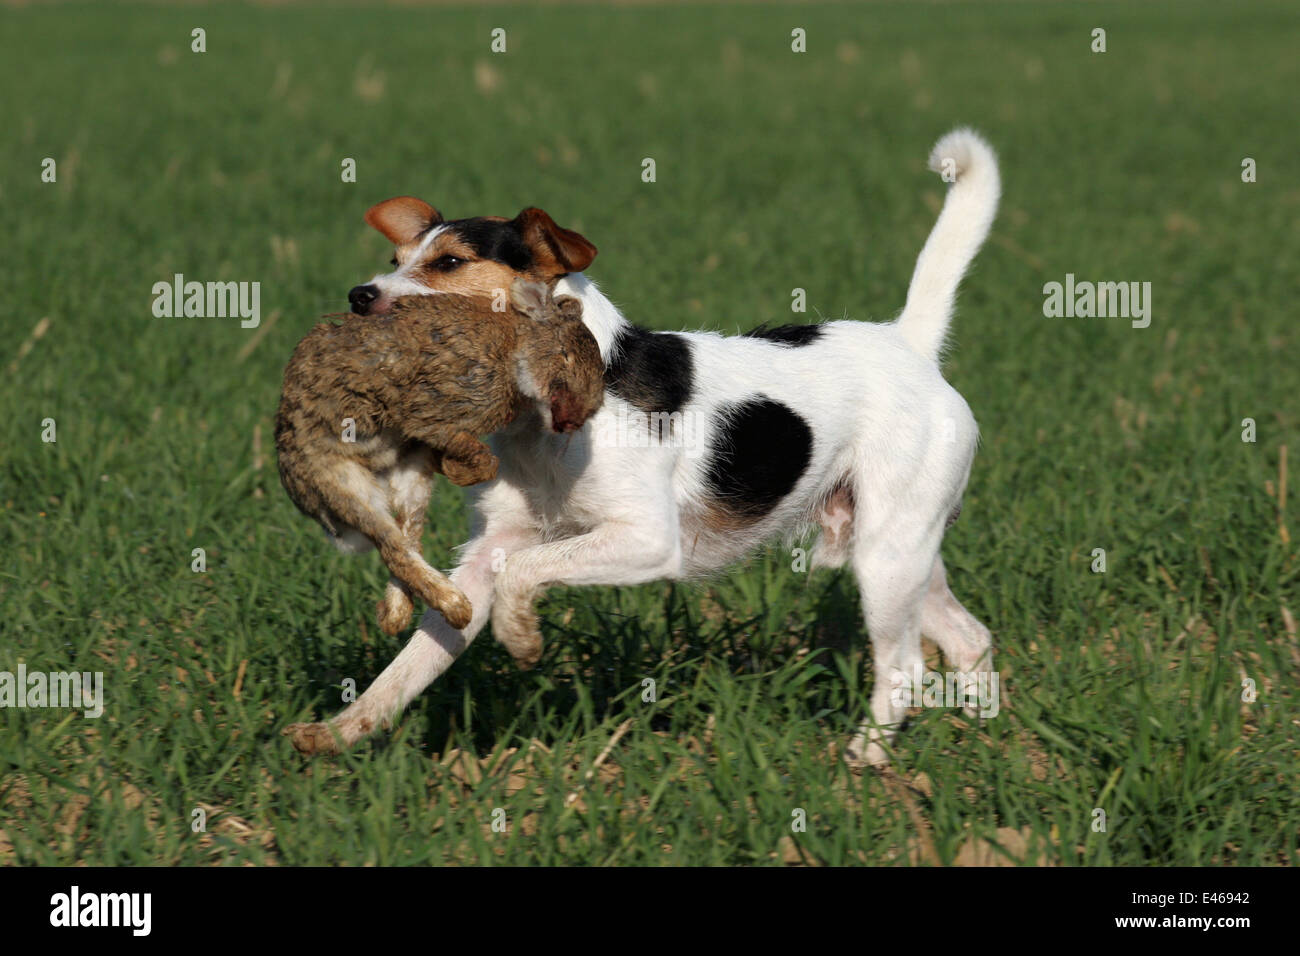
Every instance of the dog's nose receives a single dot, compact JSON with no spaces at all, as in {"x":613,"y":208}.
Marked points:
{"x":361,"y":296}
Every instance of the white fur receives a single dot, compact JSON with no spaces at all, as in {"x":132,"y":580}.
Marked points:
{"x":578,"y":510}
{"x":963,"y":225}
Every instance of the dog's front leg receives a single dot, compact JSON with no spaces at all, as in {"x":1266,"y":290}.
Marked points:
{"x":615,"y":553}
{"x":435,"y":645}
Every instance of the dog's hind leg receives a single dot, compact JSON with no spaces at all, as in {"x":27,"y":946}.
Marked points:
{"x":965,"y":642}
{"x":893,"y":563}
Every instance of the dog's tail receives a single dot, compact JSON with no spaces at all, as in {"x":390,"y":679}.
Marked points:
{"x":965,"y":160}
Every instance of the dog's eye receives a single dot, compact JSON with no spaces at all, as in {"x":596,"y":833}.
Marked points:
{"x":446,"y":263}
{"x":393,"y":261}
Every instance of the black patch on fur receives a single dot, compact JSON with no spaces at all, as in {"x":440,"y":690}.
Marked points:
{"x":652,"y":370}
{"x":791,"y":335}
{"x":498,"y":241}
{"x":761,"y":450}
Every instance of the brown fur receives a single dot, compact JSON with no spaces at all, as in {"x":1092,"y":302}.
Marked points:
{"x":420,"y":385}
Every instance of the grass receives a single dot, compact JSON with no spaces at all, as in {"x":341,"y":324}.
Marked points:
{"x":1122,"y":691}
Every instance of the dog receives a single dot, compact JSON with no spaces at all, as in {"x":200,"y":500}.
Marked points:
{"x":847,"y":428}
{"x":372,"y":409}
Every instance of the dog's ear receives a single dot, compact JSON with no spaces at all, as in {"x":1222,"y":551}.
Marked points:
{"x":555,"y":250}
{"x":403,"y":218}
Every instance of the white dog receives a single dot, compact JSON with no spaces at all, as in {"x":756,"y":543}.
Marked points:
{"x":706,"y":447}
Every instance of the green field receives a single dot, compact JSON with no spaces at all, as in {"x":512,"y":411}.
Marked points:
{"x":1122,"y":691}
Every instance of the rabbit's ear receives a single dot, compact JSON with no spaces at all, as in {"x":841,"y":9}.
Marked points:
{"x":530,"y":298}
{"x":569,"y":307}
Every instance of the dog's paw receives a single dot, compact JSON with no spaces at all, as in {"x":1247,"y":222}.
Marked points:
{"x":313,"y":740}
{"x":527,"y":656}
{"x":861,"y":754}
{"x":515,"y":624}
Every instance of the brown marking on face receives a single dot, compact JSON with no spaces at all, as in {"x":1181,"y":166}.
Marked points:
{"x":450,"y":264}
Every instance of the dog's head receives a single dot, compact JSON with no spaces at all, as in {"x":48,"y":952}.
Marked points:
{"x":473,"y":257}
